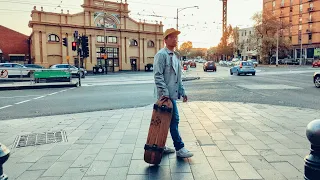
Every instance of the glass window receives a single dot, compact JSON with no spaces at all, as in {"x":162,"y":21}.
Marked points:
{"x":110,"y":55}
{"x":133,"y":42}
{"x":274,"y":4}
{"x":300,"y":27}
{"x":5,"y":65}
{"x":150,"y":44}
{"x":301,"y":7}
{"x":116,"y":62}
{"x":53,"y":38}
{"x":100,"y":39}
{"x":112,"y":39}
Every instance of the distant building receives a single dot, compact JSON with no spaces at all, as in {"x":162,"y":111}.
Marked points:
{"x":14,"y":46}
{"x":304,"y":19}
{"x":130,"y":44}
{"x":247,"y":50}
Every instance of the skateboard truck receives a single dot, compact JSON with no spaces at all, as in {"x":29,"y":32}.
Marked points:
{"x":153,"y":147}
{"x":162,"y":108}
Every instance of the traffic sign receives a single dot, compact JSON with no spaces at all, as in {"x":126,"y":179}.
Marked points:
{"x":4,"y":73}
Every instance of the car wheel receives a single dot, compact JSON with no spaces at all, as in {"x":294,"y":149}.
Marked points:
{"x":238,"y":73}
{"x":231,"y":72}
{"x":253,"y":74}
{"x":317,"y":81}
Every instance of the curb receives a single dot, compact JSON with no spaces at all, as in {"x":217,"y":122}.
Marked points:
{"x":37,"y":87}
{"x":190,"y":78}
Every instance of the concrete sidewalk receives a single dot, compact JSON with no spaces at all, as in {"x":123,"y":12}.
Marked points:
{"x":230,"y":141}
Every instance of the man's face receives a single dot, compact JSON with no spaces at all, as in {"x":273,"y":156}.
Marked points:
{"x":171,"y":40}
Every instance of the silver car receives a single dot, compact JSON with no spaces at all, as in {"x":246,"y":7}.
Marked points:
{"x":74,"y":70}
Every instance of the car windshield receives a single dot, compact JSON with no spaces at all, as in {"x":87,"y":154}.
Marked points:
{"x":246,"y":64}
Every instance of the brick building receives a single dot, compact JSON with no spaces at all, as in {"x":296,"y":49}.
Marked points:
{"x":14,"y":46}
{"x":304,"y":19}
{"x":130,"y":44}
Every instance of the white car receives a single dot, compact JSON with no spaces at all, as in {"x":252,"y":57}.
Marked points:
{"x":13,"y":70}
{"x":74,"y":70}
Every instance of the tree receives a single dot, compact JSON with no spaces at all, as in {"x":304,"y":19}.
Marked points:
{"x":227,"y":43}
{"x":195,"y":52}
{"x":212,"y":53}
{"x":267,"y":28}
{"x":185,"y":48}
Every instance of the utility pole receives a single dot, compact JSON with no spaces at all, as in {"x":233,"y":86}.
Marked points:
{"x":301,"y":51}
{"x":105,"y":39}
{"x":277,"y":56}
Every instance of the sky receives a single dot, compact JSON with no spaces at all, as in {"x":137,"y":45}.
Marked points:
{"x":203,"y":26}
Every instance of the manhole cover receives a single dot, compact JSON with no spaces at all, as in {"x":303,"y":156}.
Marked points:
{"x":40,"y":138}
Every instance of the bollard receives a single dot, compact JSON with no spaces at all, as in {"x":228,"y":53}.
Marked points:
{"x":312,"y":160}
{"x":4,"y":156}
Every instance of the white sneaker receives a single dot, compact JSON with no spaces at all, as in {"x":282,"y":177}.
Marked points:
{"x":184,"y":153}
{"x":168,"y":150}
{"x":3,"y":177}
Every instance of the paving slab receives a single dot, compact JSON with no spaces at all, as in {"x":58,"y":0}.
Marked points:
{"x":230,"y":140}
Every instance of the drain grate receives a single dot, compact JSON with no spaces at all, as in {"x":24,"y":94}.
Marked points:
{"x":40,"y":139}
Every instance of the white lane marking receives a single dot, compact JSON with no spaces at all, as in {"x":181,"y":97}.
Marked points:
{"x":5,"y":107}
{"x":39,"y":97}
{"x":17,"y":97}
{"x":23,"y":101}
{"x":53,"y":93}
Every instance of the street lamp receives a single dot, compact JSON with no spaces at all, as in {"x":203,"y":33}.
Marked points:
{"x":180,"y":9}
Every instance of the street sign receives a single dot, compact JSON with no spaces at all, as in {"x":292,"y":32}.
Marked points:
{"x":317,"y":52}
{"x":3,"y":73}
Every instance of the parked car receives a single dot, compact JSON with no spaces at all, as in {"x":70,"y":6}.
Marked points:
{"x":15,"y":70}
{"x":254,"y":62}
{"x":316,"y":79}
{"x":74,"y":70}
{"x":34,"y":66}
{"x":193,"y":64}
{"x":210,"y":65}
{"x":316,"y":63}
{"x":243,"y":67}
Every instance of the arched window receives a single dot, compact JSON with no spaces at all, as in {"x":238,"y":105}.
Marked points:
{"x":133,"y":42}
{"x":150,"y":43}
{"x":53,"y":38}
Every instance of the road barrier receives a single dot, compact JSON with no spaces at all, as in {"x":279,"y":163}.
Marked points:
{"x":35,"y":75}
{"x":48,"y":75}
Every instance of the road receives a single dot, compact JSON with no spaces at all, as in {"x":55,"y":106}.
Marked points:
{"x":278,"y":86}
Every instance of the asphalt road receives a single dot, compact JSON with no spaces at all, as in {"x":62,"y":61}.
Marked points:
{"x":278,"y":86}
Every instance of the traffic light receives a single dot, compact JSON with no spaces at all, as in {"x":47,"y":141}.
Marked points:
{"x":65,"y":42}
{"x":85,"y":46}
{"x":102,"y":50}
{"x":74,"y":46}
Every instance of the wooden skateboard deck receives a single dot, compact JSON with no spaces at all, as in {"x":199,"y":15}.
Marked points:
{"x":158,"y":131}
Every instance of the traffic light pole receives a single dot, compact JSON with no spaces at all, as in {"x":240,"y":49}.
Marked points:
{"x":105,"y":39}
{"x":78,"y":44}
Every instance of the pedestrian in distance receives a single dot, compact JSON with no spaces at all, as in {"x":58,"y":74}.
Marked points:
{"x":167,"y":76}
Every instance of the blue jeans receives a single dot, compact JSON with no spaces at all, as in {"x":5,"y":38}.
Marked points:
{"x":177,"y":141}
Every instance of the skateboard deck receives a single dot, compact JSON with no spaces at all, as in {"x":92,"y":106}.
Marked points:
{"x":158,"y":131}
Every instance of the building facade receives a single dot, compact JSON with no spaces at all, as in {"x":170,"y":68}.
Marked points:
{"x":14,"y":46}
{"x":130,"y":44}
{"x":304,"y":20}
{"x":247,"y":50}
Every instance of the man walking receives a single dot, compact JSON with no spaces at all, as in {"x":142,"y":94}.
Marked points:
{"x":167,"y":75}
